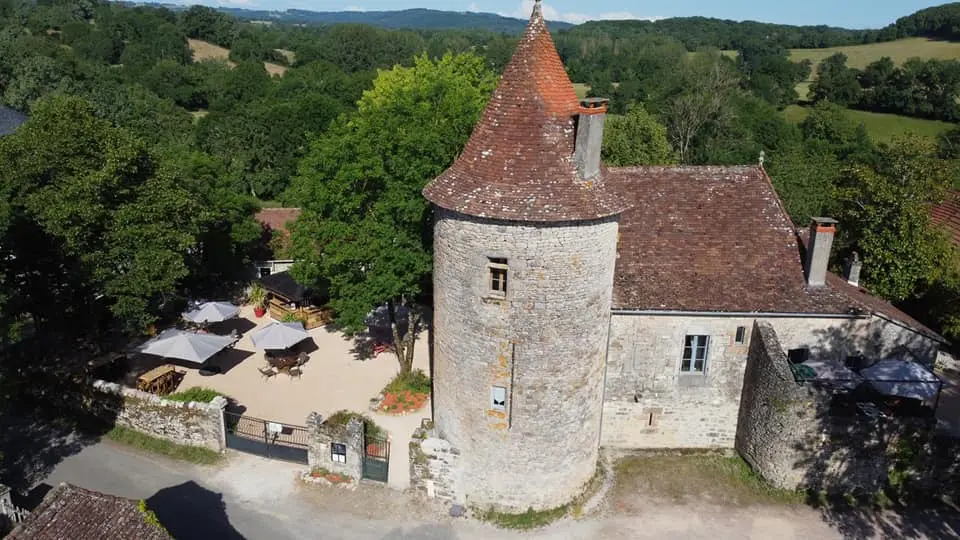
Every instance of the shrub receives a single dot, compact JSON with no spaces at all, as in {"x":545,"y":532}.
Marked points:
{"x":415,"y":382}
{"x":194,"y":454}
{"x":198,"y":394}
{"x":370,"y":428}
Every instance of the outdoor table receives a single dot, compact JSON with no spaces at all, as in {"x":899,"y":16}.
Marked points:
{"x":282,"y":362}
{"x":158,"y":380}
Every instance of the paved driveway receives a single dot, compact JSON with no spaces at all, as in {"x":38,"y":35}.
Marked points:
{"x":254,"y":498}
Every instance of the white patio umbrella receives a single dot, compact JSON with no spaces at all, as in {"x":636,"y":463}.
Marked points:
{"x":198,"y":348}
{"x":279,"y":336}
{"x":902,"y":379}
{"x":212,"y":312}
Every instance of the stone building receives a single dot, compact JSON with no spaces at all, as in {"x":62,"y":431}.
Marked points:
{"x":580,"y":306}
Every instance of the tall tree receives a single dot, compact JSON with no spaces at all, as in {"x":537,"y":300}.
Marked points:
{"x":636,"y":139}
{"x":365,"y":226}
{"x":886,"y":209}
{"x":836,"y":82}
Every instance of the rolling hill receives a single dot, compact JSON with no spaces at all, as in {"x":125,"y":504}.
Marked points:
{"x":419,"y":19}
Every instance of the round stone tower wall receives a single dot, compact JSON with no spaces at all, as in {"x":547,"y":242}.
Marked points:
{"x":544,"y":343}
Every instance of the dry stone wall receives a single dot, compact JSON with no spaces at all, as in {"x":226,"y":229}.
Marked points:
{"x":191,"y":424}
{"x":434,"y":466}
{"x":321,"y":437}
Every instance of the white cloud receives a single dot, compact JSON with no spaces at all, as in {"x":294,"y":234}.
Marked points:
{"x":473,"y":7}
{"x":247,"y":3}
{"x":525,"y":8}
{"x":354,"y":8}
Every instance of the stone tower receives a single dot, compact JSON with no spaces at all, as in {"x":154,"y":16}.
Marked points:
{"x":525,"y":247}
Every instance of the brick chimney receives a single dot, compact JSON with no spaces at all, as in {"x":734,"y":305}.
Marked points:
{"x":593,"y":112}
{"x":822,"y":231}
{"x":852,"y":269}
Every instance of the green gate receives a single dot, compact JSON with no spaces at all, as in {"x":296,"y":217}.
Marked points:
{"x":376,"y":459}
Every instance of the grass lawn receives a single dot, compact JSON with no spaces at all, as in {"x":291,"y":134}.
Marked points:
{"x":685,"y":479}
{"x":882,"y":127}
{"x":858,"y":56}
{"x":193,"y":454}
{"x":203,"y":50}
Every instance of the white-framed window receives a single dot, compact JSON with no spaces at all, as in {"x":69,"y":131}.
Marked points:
{"x":338,"y":452}
{"x":741,"y":336}
{"x":498,"y":398}
{"x":695,"y":350}
{"x":497,"y":271}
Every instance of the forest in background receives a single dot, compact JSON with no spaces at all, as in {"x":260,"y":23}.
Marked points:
{"x":133,"y":185}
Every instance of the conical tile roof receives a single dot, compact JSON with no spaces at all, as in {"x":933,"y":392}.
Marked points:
{"x":518,"y":164}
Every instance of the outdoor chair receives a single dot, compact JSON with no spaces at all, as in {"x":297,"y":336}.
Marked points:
{"x":295,"y":372}
{"x":267,"y":372}
{"x":302,"y":359}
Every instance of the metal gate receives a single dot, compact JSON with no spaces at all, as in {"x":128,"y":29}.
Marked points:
{"x":376,"y":459}
{"x":265,"y":438}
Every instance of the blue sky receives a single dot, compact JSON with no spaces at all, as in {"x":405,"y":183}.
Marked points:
{"x":847,"y":13}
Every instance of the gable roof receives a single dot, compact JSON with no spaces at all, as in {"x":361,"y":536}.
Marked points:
{"x":10,"y":120}
{"x":518,"y":164}
{"x":717,"y":239}
{"x":277,"y":219}
{"x":947,"y":215}
{"x":79,"y":514}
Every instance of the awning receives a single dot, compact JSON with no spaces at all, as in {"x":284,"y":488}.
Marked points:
{"x":189,"y":346}
{"x":279,"y":336}
{"x":283,"y":284}
{"x":902,"y":379}
{"x":211,"y":312}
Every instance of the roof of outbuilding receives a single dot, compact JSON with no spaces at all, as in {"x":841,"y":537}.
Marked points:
{"x":277,"y":219}
{"x":947,"y":215}
{"x":10,"y":120}
{"x":518,"y":164}
{"x":80,"y":514}
{"x":717,"y":239}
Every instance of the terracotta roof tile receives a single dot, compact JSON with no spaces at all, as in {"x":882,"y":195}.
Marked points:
{"x":717,"y":239}
{"x":277,"y":219}
{"x":518,"y":163}
{"x":80,"y":514}
{"x":947,"y":215}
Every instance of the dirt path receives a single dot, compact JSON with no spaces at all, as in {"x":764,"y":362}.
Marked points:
{"x":254,"y":498}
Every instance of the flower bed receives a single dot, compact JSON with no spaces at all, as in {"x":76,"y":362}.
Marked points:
{"x":404,"y":394}
{"x":324,"y":477}
{"x":402,"y":402}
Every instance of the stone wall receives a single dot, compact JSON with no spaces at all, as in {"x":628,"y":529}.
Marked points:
{"x":191,"y":424}
{"x":786,"y":432}
{"x":320,"y":438}
{"x":543,"y":345}
{"x":434,"y":466}
{"x":649,"y":403}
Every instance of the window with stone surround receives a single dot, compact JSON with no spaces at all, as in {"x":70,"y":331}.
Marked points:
{"x":498,"y":398}
{"x":497,"y":270}
{"x":695,"y":354}
{"x":741,"y":337}
{"x":338,"y":452}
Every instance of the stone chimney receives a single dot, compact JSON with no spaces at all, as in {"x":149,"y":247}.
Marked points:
{"x":593,"y":112}
{"x":818,"y":250}
{"x":852,"y":269}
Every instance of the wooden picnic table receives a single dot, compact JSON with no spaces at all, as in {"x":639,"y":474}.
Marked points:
{"x":159,"y":380}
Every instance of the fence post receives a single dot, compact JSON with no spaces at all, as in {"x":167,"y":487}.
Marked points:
{"x":266,"y":438}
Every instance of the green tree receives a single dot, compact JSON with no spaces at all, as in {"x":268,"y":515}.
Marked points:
{"x":886,"y":211}
{"x":836,"y":82}
{"x":636,"y":139}
{"x":365,"y":225}
{"x":93,"y":216}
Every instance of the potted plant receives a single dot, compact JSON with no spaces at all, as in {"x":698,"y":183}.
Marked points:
{"x":258,"y":299}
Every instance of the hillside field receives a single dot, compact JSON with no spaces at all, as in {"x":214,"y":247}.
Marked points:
{"x":859,"y":56}
{"x":881,"y":127}
{"x":208,"y":51}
